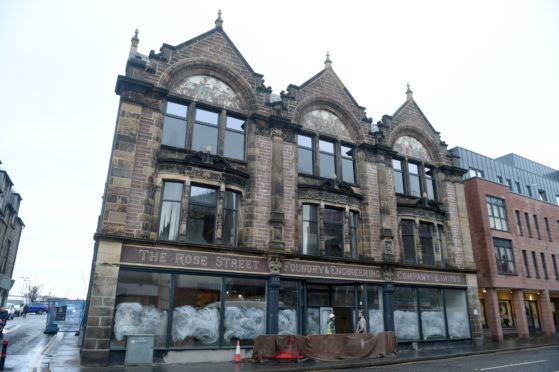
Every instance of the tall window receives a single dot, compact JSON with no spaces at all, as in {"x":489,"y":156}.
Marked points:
{"x":230,"y":208}
{"x":544,"y":265}
{"x":526,"y":266}
{"x":535,"y":262}
{"x":348,"y":171}
{"x":529,"y":190}
{"x":310,"y":229}
{"x":398,"y":176}
{"x":547,"y":229}
{"x":305,"y":154}
{"x":327,"y":159}
{"x":430,"y":182}
{"x":415,"y":182}
{"x":518,"y":222}
{"x":174,"y":125}
{"x":353,"y":223}
{"x":555,"y":266}
{"x":542,"y":195}
{"x":414,"y":179}
{"x":440,"y":236}
{"x":500,"y":179}
{"x":527,"y":219}
{"x":509,"y":183}
{"x":208,"y":129}
{"x":408,"y":241}
{"x":518,"y":189}
{"x":537,"y":226}
{"x":426,"y":241}
{"x":170,"y":211}
{"x":504,"y":256}
{"x":202,"y":206}
{"x":234,"y":141}
{"x":334,"y":232}
{"x":496,"y":213}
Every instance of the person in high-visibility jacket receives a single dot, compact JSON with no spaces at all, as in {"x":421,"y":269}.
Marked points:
{"x":330,"y":326}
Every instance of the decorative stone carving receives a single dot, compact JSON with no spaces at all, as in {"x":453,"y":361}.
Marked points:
{"x":388,"y":273}
{"x":274,"y":264}
{"x":209,"y":89}
{"x":324,"y":121}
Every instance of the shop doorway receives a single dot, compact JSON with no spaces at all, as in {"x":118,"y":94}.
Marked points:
{"x":505,"y":314}
{"x":555,"y":312}
{"x":324,"y":317}
{"x":532,"y":315}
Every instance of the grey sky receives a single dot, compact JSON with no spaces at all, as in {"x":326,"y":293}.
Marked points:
{"x":485,"y":73}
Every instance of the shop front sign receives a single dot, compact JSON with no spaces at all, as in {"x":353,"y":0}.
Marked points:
{"x":330,"y":271}
{"x":428,"y":277}
{"x":175,"y":258}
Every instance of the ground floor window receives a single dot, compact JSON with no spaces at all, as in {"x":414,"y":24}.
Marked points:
{"x":430,"y":313}
{"x":206,"y":310}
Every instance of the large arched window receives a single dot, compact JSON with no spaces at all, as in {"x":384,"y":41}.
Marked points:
{"x":210,"y":123}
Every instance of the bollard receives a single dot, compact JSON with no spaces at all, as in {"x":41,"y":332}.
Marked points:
{"x":4,"y":352}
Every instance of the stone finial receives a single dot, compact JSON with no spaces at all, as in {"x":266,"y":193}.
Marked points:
{"x":328,"y":62}
{"x":134,"y":43}
{"x":409,"y":93}
{"x":219,"y":21}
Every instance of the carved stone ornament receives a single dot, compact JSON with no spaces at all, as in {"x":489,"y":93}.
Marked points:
{"x":276,"y":132}
{"x":388,"y":246}
{"x":388,"y":273}
{"x":274,"y":264}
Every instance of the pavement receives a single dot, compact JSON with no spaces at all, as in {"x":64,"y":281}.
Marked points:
{"x":64,"y":356}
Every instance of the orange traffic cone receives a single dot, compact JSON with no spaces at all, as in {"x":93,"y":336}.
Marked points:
{"x":237,"y":358}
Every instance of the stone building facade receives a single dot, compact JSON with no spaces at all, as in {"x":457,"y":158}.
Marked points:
{"x":230,"y":211}
{"x":516,"y":244}
{"x":11,"y":227}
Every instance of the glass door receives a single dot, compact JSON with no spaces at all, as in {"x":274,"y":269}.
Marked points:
{"x":532,"y":315}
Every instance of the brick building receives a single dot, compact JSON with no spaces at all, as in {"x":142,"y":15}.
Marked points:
{"x":515,"y":236}
{"x":230,"y":212}
{"x":11,"y":227}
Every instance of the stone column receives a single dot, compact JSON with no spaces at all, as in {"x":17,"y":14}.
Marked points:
{"x":277,"y":215}
{"x":272,"y":305}
{"x":95,"y":348}
{"x":520,"y":314}
{"x":387,"y":306}
{"x":546,"y":313}
{"x":492,"y":314}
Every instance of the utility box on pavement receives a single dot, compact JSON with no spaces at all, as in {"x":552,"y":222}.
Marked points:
{"x":139,"y":349}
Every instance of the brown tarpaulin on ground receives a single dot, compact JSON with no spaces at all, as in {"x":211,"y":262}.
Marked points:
{"x":327,"y":347}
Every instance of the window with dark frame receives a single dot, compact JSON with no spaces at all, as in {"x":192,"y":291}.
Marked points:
{"x":408,"y":241}
{"x":537,"y":226}
{"x":497,"y":214}
{"x":305,"y":154}
{"x":327,"y":159}
{"x":348,"y":164}
{"x":509,"y":183}
{"x":398,"y":176}
{"x":500,"y":179}
{"x":527,"y":219}
{"x":202,"y":215}
{"x":529,"y":189}
{"x":473,"y":172}
{"x":414,"y":179}
{"x":535,"y":262}
{"x":518,"y":189}
{"x":440,"y":235}
{"x":205,"y":130}
{"x":171,"y":203}
{"x":333,"y":232}
{"x":526,"y":266}
{"x":310,"y":230}
{"x":544,"y":265}
{"x":353,"y":239}
{"x":504,"y":256}
{"x":555,"y":266}
{"x":542,"y":195}
{"x":230,"y":211}
{"x":426,"y":242}
{"x":518,"y":223}
{"x":547,"y":229}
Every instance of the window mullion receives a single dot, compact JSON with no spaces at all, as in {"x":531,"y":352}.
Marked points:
{"x":190,"y":124}
{"x":222,"y":121}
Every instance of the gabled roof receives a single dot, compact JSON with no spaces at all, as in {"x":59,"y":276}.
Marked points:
{"x":330,"y":70}
{"x":414,"y":106}
{"x":207,"y":34}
